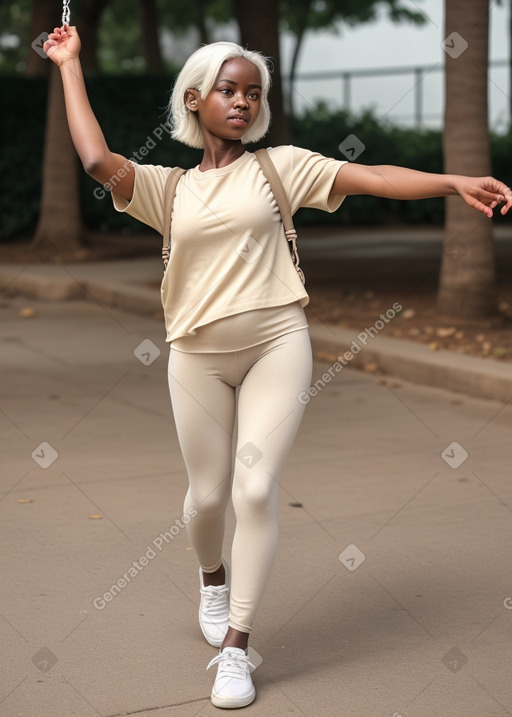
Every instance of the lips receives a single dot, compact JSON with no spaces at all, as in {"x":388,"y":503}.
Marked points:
{"x":240,"y":118}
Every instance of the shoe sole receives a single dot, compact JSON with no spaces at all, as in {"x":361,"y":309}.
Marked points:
{"x":232,"y":702}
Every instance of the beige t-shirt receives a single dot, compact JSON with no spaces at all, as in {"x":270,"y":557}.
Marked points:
{"x":229,"y":253}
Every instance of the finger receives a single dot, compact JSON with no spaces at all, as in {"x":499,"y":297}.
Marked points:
{"x":489,"y":196}
{"x":508,"y":205}
{"x":481,"y":207}
{"x":503,"y":193}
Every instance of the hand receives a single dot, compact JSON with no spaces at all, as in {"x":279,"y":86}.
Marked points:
{"x":484,"y":194}
{"x":62,"y":44}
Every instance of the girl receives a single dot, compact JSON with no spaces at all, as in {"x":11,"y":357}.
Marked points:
{"x":233,"y":304}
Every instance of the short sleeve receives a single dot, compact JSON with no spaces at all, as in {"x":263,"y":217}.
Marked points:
{"x":307,"y":177}
{"x":147,"y":201}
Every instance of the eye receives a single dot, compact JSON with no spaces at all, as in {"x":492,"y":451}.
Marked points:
{"x":226,"y":90}
{"x":254,"y":96}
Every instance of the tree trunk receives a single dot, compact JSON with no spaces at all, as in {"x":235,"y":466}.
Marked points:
{"x":59,"y":230}
{"x":154,"y":62}
{"x":202,"y":27}
{"x":299,"y":38}
{"x":45,"y":16}
{"x":88,"y":21}
{"x":466,"y":288}
{"x":258,"y":22}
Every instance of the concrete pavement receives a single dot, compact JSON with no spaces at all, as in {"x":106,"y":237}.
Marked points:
{"x":391,"y":593}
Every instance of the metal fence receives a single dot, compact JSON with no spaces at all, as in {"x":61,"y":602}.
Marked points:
{"x":415,"y":76}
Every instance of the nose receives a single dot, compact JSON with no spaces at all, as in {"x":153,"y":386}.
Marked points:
{"x":240,"y":100}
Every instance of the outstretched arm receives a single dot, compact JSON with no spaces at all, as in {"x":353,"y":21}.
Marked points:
{"x":63,"y":47}
{"x":481,"y":193}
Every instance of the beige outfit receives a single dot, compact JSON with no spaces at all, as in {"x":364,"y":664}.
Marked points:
{"x":234,"y":315}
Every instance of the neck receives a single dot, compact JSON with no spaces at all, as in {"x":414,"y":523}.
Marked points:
{"x":220,"y":152}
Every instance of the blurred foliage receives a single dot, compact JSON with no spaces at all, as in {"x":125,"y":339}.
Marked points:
{"x":14,"y":35}
{"x":131,"y":109}
{"x":327,"y":14}
{"x":323,"y":130}
{"x":119,"y":43}
{"x":119,"y":46}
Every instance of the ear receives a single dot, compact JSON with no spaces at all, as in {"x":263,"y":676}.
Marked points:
{"x":192,"y":97}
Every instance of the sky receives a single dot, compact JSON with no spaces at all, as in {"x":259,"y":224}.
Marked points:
{"x":383,"y":44}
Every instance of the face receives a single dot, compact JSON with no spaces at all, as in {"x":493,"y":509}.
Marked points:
{"x":232,"y":106}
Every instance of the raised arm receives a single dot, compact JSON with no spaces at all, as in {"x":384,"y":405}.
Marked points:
{"x":481,"y":193}
{"x":63,"y":47}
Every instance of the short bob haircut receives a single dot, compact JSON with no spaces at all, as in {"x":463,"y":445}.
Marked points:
{"x":200,"y":72}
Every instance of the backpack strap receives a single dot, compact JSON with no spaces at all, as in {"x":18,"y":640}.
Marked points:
{"x":269,"y":170}
{"x":169,"y":194}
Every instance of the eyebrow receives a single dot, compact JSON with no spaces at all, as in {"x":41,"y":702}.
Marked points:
{"x":232,"y":82}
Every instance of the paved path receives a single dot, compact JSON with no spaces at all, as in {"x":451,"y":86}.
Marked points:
{"x":391,"y":593}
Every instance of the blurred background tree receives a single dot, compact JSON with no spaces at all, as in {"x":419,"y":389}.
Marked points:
{"x":467,"y":279}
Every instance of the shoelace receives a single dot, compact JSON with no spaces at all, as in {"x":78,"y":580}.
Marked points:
{"x":232,"y":664}
{"x":213,"y":605}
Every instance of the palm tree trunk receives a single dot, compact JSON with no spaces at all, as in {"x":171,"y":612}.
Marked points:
{"x":202,"y":27}
{"x":88,"y":21}
{"x":45,"y":16}
{"x":466,"y":288}
{"x":300,"y":33}
{"x":154,"y":61}
{"x":59,"y":230}
{"x":258,"y":22}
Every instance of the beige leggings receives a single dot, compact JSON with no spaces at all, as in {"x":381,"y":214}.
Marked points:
{"x":268,"y":414}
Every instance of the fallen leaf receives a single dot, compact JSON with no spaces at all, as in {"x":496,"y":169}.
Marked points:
{"x":371,"y":367}
{"x":443,"y":331}
{"x":325,"y":356}
{"x":27,"y":312}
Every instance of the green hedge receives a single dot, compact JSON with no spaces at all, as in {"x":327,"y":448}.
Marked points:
{"x":131,"y":109}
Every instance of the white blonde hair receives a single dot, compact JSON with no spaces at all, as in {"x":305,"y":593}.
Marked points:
{"x":200,"y":72}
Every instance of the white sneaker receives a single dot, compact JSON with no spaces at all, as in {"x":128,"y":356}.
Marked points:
{"x":233,"y":685}
{"x":214,"y":609}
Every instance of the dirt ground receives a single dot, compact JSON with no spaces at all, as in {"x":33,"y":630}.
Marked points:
{"x":350,"y":306}
{"x":100,"y":247}
{"x":418,"y":321}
